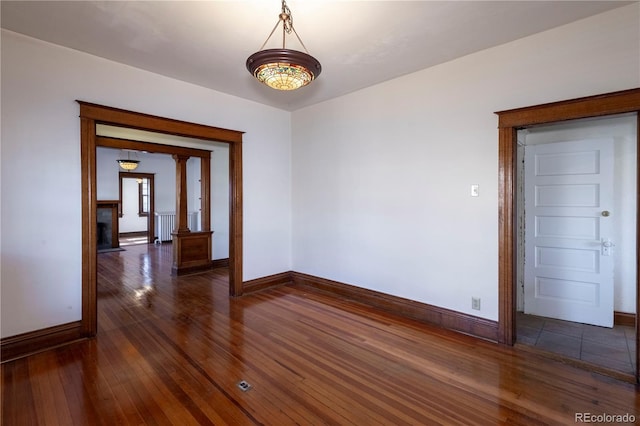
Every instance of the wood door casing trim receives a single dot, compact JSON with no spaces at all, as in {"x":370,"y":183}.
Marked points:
{"x":612,"y":103}
{"x":120,"y":143}
{"x":153,"y":123}
{"x":506,"y":244}
{"x":88,"y":322}
{"x":509,"y":121}
{"x":92,"y":114}
{"x":235,"y":221}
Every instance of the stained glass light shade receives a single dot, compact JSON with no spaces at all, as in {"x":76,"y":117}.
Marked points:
{"x":283,"y":69}
{"x":128,"y":165}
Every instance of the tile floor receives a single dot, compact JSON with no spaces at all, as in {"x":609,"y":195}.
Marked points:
{"x":613,"y":348}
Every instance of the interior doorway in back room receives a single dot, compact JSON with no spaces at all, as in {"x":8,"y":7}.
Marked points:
{"x":576,"y":239}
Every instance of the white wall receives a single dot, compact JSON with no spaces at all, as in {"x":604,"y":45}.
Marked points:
{"x":41,"y":209}
{"x":220,"y":201}
{"x":381,"y":177}
{"x":623,"y":131}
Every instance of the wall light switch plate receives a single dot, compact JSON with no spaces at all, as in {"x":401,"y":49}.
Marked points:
{"x":475,"y":190}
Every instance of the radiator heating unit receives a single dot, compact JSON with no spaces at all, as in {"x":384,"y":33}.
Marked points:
{"x":166,"y":223}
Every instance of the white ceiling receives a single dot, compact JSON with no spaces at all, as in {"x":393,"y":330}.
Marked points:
{"x":359,"y":43}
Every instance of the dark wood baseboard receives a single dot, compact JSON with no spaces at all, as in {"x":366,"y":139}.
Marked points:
{"x":258,"y":284}
{"x":221,"y":263}
{"x":445,"y":318}
{"x":132,"y":234}
{"x":37,"y":341}
{"x":216,"y":263}
{"x":191,"y":269}
{"x":32,"y":342}
{"x":623,"y":318}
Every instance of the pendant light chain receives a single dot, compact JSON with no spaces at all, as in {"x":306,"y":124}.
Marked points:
{"x":287,"y":18}
{"x":287,"y":27}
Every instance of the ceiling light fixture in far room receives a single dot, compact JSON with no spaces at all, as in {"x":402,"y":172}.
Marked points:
{"x":128,"y":164}
{"x":284,"y":69}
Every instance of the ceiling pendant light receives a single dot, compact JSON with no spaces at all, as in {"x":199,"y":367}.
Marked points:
{"x":128,"y":164}
{"x":284,"y":69}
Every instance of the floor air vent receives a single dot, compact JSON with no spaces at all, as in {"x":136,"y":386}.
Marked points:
{"x":244,"y":386}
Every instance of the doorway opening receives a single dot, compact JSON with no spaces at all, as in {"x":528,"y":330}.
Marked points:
{"x":509,"y":122}
{"x":91,"y":115}
{"x":576,"y":245}
{"x":136,"y":208}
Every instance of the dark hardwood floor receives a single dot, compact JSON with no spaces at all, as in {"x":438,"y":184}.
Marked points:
{"x":171,"y":350}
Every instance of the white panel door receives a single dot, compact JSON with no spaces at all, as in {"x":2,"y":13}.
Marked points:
{"x":568,"y":214}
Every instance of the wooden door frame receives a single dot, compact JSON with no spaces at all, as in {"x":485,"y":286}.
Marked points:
{"x":509,"y":122}
{"x":90,"y":116}
{"x":152,"y":204}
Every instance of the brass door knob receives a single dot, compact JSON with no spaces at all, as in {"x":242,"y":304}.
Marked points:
{"x":605,"y":213}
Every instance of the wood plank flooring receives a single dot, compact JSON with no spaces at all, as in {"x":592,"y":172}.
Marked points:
{"x":171,"y":350}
